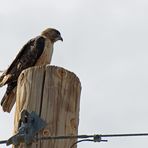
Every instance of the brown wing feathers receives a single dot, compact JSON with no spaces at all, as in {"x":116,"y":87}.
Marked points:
{"x":27,"y":57}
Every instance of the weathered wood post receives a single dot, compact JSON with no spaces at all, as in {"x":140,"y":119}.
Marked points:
{"x":54,"y":94}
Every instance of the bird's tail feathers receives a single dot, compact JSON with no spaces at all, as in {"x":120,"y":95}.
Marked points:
{"x":1,"y":80}
{"x":4,"y":79}
{"x":8,"y":101}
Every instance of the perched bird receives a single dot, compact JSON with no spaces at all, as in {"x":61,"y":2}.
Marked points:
{"x":36,"y":52}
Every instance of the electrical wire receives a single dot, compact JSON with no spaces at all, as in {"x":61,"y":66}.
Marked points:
{"x":3,"y":141}
{"x":91,"y":136}
{"x":125,"y":135}
{"x":84,"y":140}
{"x":96,"y":138}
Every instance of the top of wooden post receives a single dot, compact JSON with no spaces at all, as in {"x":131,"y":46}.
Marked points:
{"x":54,"y":94}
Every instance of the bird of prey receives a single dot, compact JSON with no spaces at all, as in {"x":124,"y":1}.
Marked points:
{"x":36,"y":52}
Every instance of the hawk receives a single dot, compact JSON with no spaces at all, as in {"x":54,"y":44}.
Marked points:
{"x":36,"y":52}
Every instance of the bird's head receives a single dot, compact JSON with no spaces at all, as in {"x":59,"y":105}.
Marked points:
{"x":52,"y":34}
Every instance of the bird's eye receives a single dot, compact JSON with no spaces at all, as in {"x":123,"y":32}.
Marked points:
{"x":58,"y":33}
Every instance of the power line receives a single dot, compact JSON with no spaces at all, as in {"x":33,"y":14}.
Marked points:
{"x":3,"y":141}
{"x":96,"y":137}
{"x":92,"y":138}
{"x":31,"y":124}
{"x":125,"y":135}
{"x":84,"y":140}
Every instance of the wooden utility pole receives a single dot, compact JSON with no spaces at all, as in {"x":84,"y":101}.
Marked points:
{"x":53,"y":93}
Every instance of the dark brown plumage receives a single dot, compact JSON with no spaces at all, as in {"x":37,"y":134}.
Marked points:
{"x":37,"y":51}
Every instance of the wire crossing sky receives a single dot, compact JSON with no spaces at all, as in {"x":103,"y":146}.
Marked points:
{"x":85,"y":138}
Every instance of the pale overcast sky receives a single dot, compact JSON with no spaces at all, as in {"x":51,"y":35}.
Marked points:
{"x":105,"y":45}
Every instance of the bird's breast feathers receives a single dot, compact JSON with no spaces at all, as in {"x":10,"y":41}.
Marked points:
{"x":46,"y":56}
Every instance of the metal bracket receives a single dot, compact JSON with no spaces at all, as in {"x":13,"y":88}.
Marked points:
{"x":29,"y":125}
{"x":98,"y":138}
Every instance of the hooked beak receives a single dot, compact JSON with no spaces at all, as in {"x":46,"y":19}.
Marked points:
{"x":59,"y":38}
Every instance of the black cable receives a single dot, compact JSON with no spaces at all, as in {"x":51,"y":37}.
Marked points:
{"x":125,"y":135}
{"x":3,"y":141}
{"x":84,"y":140}
{"x":96,"y":138}
{"x":90,"y":136}
{"x":64,"y":137}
